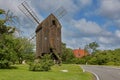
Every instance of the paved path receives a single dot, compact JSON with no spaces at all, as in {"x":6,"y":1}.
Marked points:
{"x":103,"y":72}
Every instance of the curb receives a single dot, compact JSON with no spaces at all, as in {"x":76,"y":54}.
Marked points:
{"x":97,"y":78}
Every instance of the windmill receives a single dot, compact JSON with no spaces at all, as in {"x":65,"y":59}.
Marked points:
{"x":48,"y":32}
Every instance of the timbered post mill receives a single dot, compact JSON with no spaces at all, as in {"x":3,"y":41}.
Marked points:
{"x":48,"y":37}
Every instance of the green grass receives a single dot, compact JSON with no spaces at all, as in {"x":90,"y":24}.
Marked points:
{"x":22,"y":73}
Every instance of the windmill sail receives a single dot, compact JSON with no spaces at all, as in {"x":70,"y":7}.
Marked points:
{"x":25,"y":8}
{"x":60,"y":12}
{"x":32,"y":36}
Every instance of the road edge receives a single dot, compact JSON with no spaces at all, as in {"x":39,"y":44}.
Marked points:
{"x":97,"y":78}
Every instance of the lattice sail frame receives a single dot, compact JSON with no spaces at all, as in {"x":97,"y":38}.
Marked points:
{"x":25,"y":8}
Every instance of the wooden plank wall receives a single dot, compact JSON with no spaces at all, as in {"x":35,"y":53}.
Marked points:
{"x":49,"y":36}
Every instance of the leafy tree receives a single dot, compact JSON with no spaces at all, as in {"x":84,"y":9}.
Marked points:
{"x":6,"y":41}
{"x":5,"y":29}
{"x":7,"y":52}
{"x":67,"y":54}
{"x":12,"y":48}
{"x":2,"y":11}
{"x":92,"y":46}
{"x":23,"y":49}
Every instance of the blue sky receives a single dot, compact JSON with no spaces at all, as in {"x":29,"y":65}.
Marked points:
{"x":86,"y":20}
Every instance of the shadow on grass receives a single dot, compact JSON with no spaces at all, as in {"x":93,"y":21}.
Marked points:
{"x":11,"y":67}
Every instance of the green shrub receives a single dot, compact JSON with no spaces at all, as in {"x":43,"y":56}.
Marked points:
{"x":4,"y":64}
{"x":43,"y":64}
{"x":79,"y":61}
{"x":117,"y":63}
{"x":82,"y":61}
{"x":93,"y":61}
{"x":110,"y":63}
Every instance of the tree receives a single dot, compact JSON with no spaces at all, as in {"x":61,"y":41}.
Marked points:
{"x":5,"y":29}
{"x":5,"y":41}
{"x":92,"y":46}
{"x":67,"y":54}
{"x":23,"y":49}
{"x":2,"y":11}
{"x":12,"y":48}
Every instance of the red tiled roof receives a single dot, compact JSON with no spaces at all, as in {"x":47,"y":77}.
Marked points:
{"x":79,"y":53}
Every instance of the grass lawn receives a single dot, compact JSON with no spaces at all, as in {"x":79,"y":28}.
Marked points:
{"x":22,"y":73}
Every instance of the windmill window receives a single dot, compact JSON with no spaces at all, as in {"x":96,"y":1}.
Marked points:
{"x":53,"y":22}
{"x":57,"y":39}
{"x":45,"y":38}
{"x":78,"y":54}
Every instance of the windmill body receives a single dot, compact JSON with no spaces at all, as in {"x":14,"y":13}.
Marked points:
{"x":48,"y":37}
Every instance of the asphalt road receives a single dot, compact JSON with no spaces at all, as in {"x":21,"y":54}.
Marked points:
{"x":103,"y":72}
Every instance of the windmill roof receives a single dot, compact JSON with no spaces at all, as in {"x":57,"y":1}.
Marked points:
{"x":50,"y":17}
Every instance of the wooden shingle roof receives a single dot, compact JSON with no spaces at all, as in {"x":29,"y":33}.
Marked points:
{"x":49,"y":18}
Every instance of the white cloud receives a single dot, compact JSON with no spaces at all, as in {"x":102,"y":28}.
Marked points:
{"x":88,"y":27}
{"x":109,"y":42}
{"x":81,"y":32}
{"x":106,"y":40}
{"x":70,"y":5}
{"x":117,"y":33}
{"x":78,"y":43}
{"x":10,"y":5}
{"x":85,"y":2}
{"x":110,"y":8}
